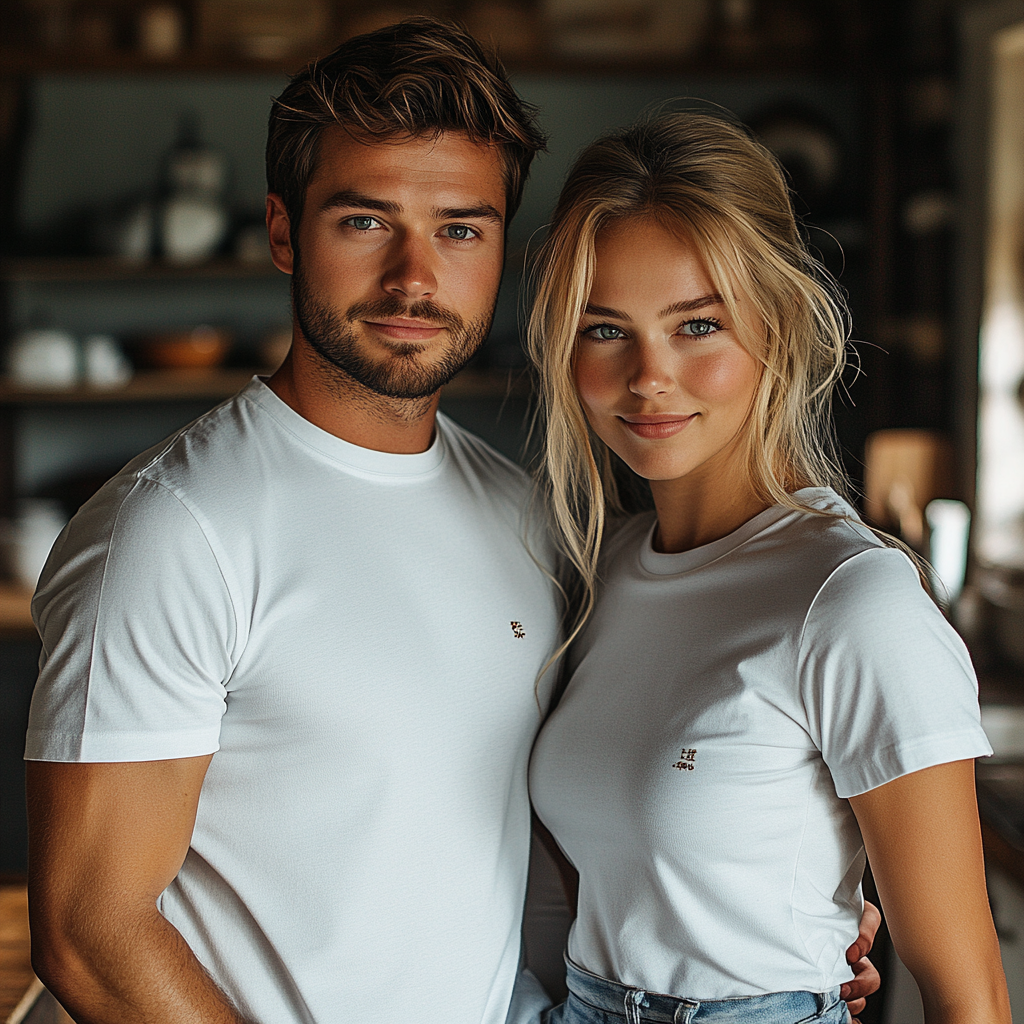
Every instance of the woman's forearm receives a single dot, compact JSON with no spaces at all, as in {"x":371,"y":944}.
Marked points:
{"x":923,"y":840}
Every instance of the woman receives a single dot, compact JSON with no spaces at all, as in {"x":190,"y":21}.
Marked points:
{"x":762,"y":687}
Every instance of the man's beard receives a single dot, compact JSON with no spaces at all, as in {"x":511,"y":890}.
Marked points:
{"x":397,"y":375}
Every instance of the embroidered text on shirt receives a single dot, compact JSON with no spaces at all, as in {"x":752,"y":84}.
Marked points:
{"x":517,"y":630}
{"x":685,"y":762}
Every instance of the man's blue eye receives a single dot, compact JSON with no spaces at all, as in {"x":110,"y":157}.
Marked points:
{"x":460,"y":232}
{"x":362,"y":223}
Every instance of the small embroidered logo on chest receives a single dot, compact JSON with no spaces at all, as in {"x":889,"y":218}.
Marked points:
{"x":685,"y":762}
{"x":518,"y":631}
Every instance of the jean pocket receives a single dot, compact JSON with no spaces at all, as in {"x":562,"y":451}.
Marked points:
{"x":836,"y":1013}
{"x":578,"y":1011}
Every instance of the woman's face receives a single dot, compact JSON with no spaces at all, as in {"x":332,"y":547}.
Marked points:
{"x":663,"y":379}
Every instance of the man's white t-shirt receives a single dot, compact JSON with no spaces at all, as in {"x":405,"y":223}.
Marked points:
{"x":357,"y":635}
{"x":724,"y":702}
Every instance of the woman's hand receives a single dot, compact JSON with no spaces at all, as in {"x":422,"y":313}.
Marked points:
{"x":923,"y":841}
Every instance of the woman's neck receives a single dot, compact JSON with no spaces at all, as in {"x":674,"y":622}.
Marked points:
{"x":696,"y":510}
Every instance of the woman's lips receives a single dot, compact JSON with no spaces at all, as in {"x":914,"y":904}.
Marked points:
{"x":654,"y":428}
{"x":404,"y":330}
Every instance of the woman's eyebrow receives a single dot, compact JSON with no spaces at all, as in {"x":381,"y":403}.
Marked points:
{"x":683,"y":306}
{"x":615,"y":314}
{"x":689,"y":305}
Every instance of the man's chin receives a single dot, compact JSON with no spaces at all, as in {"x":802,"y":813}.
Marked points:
{"x":408,"y":379}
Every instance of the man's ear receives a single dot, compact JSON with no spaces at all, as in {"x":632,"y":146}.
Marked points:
{"x":280,"y":234}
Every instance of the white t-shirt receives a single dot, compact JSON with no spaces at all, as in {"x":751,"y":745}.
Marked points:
{"x":357,"y":635}
{"x":724,"y":702}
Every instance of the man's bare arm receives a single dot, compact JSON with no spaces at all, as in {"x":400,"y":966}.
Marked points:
{"x":104,"y":841}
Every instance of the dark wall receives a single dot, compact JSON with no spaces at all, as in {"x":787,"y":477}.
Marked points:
{"x":18,"y":660}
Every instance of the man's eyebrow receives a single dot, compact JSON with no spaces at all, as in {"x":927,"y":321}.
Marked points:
{"x":348,"y":199}
{"x":484,"y":211}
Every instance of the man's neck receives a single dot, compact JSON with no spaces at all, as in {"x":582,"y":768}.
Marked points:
{"x":333,"y":401}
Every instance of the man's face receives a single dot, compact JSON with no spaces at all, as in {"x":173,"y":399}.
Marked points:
{"x":398,"y":257}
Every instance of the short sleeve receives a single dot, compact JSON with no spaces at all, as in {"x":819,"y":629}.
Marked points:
{"x":886,"y":682}
{"x":138,"y":632}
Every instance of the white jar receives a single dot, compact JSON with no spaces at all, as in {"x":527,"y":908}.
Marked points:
{"x":44,"y":358}
{"x":36,"y":527}
{"x":192,"y":227}
{"x":105,"y":365}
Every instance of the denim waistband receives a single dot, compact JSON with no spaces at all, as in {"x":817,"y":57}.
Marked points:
{"x":639,"y":1007}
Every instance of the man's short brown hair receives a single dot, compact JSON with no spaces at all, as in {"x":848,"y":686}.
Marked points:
{"x":420,"y":77}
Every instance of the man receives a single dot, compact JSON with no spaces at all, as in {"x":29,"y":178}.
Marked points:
{"x":289,"y":682}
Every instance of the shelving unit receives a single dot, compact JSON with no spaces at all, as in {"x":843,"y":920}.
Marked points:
{"x":841,"y":45}
{"x":841,"y":54}
{"x":106,"y":268}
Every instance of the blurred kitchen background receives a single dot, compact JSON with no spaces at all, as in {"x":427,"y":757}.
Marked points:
{"x":136,"y":289}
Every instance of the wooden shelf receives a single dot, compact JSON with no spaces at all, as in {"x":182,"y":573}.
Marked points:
{"x":771,"y":61}
{"x":16,"y":977}
{"x":98,"y":268}
{"x":145,"y":386}
{"x":21,"y":61}
{"x":218,"y":384}
{"x":15,"y":611}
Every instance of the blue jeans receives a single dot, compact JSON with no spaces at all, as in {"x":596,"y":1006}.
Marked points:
{"x":594,"y":1000}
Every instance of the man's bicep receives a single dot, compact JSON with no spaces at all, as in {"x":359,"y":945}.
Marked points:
{"x":108,"y":831}
{"x":140,"y":632}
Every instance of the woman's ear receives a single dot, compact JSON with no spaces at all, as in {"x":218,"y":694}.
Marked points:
{"x":280,"y":234}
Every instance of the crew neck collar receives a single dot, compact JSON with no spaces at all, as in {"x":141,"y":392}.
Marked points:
{"x":350,"y":456}
{"x":659,"y":563}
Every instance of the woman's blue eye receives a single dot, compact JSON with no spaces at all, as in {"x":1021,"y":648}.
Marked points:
{"x":605,"y":332}
{"x":362,"y":223}
{"x":700,"y":328}
{"x":460,"y":232}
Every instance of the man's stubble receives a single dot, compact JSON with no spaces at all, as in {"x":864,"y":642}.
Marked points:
{"x":332,"y":335}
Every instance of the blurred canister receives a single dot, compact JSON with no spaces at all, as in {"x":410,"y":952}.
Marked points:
{"x":30,"y":537}
{"x":44,"y":358}
{"x":105,"y":365}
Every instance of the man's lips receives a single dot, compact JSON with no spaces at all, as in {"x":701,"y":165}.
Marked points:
{"x":402,"y":329}
{"x":657,"y":426}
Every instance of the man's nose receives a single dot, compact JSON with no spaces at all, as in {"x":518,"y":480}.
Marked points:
{"x":410,"y":271}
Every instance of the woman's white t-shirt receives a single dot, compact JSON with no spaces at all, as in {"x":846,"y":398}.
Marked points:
{"x":723,"y":703}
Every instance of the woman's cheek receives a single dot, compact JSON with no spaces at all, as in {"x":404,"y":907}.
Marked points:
{"x":722,"y":376}
{"x":596,"y":382}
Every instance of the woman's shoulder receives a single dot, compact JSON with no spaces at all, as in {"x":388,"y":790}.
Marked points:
{"x":624,"y":533}
{"x":830,"y":532}
{"x":825,"y":557}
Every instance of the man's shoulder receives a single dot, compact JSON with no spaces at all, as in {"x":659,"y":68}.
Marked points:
{"x":475,"y":456}
{"x":211,"y":446}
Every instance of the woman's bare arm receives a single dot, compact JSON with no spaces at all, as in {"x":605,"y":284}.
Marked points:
{"x":923,"y":840}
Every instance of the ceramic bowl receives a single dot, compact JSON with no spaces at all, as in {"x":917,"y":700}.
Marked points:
{"x":202,"y":347}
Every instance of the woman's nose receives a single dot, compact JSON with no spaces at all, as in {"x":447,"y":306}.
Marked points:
{"x":652,"y":373}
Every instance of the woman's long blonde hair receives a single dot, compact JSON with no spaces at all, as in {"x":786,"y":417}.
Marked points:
{"x":709,"y":180}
